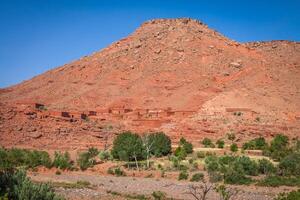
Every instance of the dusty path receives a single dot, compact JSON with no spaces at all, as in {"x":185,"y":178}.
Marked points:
{"x":131,"y":185}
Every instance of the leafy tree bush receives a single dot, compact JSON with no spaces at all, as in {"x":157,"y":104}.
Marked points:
{"x":290,"y":165}
{"x":279,"y":147}
{"x":128,"y":147}
{"x":234,"y":147}
{"x":255,"y":144}
{"x":197,"y":177}
{"x":293,"y":195}
{"x":220,"y":143}
{"x":188,"y":147}
{"x":62,"y":161}
{"x":183,"y":175}
{"x":161,"y":144}
{"x":15,"y":185}
{"x":265,"y":166}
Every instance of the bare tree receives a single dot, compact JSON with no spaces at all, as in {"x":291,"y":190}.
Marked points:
{"x":148,"y":147}
{"x":199,"y":192}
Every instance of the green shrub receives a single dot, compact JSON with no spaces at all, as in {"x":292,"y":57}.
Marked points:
{"x":234,"y":147}
{"x":290,"y":165}
{"x":159,"y":195}
{"x":188,"y":147}
{"x":161,"y":144}
{"x":249,"y":166}
{"x":104,"y":155}
{"x":15,"y":185}
{"x":255,"y":144}
{"x":62,"y":161}
{"x":85,"y":160}
{"x":227,"y":159}
{"x":128,"y":147}
{"x":175,"y":161}
{"x":212,"y":164}
{"x":180,"y":153}
{"x":92,"y":151}
{"x":265,"y":166}
{"x":293,"y":195}
{"x":220,"y":143}
{"x":116,"y":171}
{"x":236,"y":176}
{"x":275,"y":181}
{"x":197,"y":177}
{"x":207,"y":142}
{"x":183,"y":175}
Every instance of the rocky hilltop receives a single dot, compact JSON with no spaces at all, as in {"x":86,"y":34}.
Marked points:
{"x":172,"y":75}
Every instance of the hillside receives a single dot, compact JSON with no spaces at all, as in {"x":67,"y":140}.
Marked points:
{"x":172,"y":75}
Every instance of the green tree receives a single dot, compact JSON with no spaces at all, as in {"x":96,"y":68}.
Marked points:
{"x":290,"y":165}
{"x":279,"y":147}
{"x":128,"y":147}
{"x":161,"y":144}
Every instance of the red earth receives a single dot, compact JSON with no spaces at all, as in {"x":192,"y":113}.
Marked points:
{"x":171,"y":75}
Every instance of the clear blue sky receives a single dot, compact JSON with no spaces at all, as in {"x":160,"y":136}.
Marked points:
{"x":37,"y":35}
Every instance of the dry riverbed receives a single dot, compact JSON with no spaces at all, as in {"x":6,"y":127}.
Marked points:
{"x":110,"y":187}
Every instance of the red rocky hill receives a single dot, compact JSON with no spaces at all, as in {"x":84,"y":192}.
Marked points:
{"x":172,"y":75}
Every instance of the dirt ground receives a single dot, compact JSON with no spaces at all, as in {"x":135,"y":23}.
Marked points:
{"x":110,"y":187}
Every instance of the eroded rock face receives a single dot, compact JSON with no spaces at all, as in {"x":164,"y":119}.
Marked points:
{"x":172,"y":75}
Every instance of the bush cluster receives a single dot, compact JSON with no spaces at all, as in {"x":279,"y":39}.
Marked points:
{"x":256,"y":144}
{"x":15,"y":185}
{"x":130,"y":147}
{"x":11,"y":158}
{"x":232,"y":168}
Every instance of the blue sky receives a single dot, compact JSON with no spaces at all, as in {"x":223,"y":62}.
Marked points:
{"x":38,"y":35}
